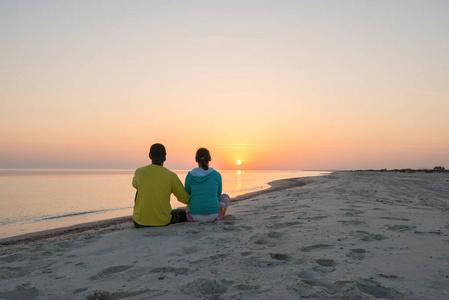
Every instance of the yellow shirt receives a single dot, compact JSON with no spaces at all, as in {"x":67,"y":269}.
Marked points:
{"x":154,"y":186}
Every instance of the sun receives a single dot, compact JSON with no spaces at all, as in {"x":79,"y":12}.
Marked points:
{"x":239,"y":162}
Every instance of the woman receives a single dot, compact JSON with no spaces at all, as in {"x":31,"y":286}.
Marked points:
{"x":204,"y":184}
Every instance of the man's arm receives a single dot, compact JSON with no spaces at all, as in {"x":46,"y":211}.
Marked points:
{"x":179,"y":190}
{"x":135,"y":181}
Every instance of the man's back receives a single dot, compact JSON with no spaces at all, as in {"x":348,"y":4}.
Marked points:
{"x":154,"y":186}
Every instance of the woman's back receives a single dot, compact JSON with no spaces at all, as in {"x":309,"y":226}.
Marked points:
{"x":205,"y":188}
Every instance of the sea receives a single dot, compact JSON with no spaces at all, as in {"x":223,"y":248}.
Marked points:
{"x":37,"y":200}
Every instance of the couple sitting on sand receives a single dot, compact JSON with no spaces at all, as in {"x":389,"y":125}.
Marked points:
{"x":155,"y":184}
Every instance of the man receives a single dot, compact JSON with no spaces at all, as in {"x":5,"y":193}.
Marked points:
{"x":154,"y":184}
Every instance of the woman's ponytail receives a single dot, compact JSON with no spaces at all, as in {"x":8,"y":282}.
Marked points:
{"x":203,"y":158}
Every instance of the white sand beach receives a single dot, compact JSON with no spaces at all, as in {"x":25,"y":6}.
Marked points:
{"x":347,"y":235}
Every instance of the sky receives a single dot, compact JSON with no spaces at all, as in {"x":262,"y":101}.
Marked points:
{"x":300,"y":85}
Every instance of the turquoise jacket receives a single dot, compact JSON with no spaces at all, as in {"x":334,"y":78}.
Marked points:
{"x":205,"y":187}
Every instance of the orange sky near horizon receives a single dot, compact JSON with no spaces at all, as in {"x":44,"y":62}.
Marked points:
{"x":320,"y":85}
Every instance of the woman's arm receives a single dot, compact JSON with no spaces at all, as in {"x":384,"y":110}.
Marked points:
{"x":220,"y":186}
{"x":187,"y":184}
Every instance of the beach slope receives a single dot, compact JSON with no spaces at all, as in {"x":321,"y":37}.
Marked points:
{"x":347,"y":235}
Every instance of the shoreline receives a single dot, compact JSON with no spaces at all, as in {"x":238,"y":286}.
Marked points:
{"x":276,"y":185}
{"x":50,"y":233}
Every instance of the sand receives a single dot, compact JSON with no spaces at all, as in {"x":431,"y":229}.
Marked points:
{"x":348,"y":235}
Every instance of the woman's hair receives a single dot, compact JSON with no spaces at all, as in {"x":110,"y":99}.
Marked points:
{"x":203,"y":158}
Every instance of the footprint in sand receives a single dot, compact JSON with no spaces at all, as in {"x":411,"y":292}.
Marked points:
{"x":283,"y":225}
{"x":80,"y":290}
{"x":228,"y":222}
{"x":307,"y":274}
{"x":109,"y":271}
{"x":176,"y":271}
{"x":319,"y":283}
{"x":368,"y":237}
{"x":318,"y":217}
{"x":275,"y":234}
{"x":99,"y":294}
{"x":346,"y":288}
{"x":429,"y":232}
{"x":66,"y":245}
{"x":360,"y":288}
{"x":267,"y":239}
{"x":203,"y":287}
{"x":24,"y":291}
{"x":275,"y":217}
{"x":12,"y":272}
{"x":184,"y":250}
{"x":264,"y":241}
{"x":357,"y":254}
{"x":394,"y":219}
{"x":230,"y":227}
{"x":316,"y":247}
{"x":245,"y":287}
{"x":12,"y":258}
{"x":304,"y":206}
{"x":325,"y":265}
{"x":311,"y":288}
{"x":221,"y":257}
{"x":350,"y":212}
{"x":155,"y":232}
{"x":352,"y":222}
{"x":262,"y":260}
{"x":280,"y":256}
{"x":400,"y":227}
{"x":325,"y":262}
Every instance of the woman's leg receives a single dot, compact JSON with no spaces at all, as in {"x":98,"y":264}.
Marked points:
{"x":211,"y":218}
{"x":189,"y":216}
{"x":224,"y":203}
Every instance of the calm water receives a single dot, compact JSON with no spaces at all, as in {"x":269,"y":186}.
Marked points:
{"x":35,"y":200}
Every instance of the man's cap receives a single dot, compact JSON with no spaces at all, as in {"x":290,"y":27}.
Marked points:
{"x":158,"y":154}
